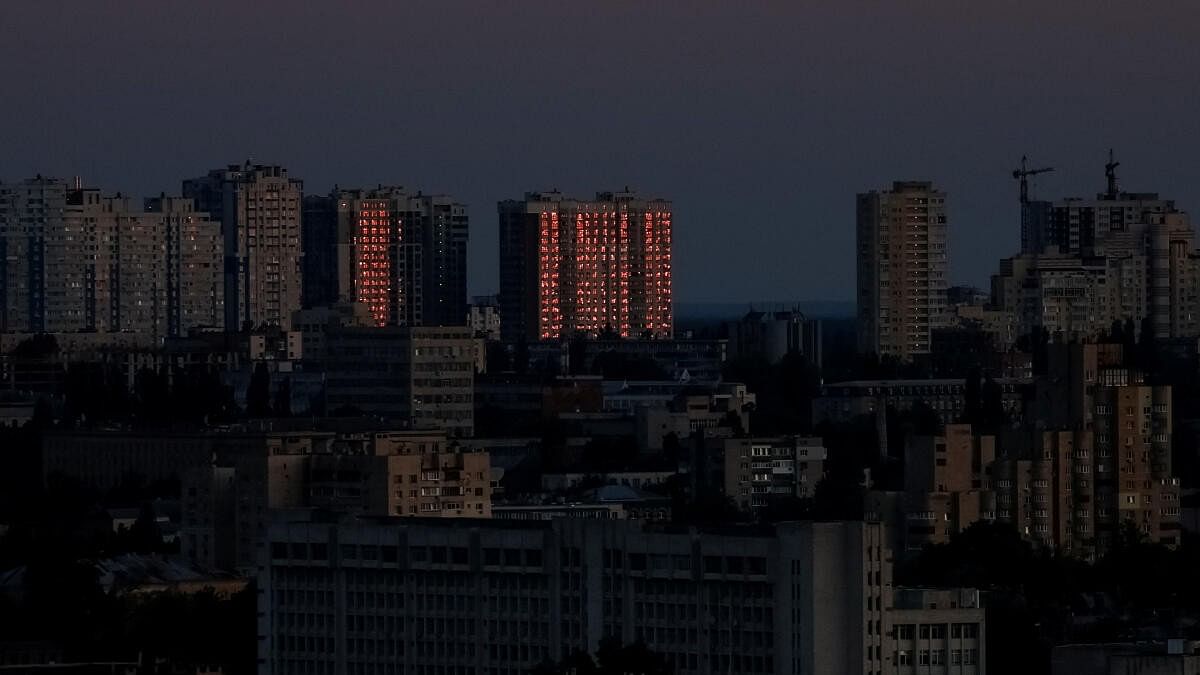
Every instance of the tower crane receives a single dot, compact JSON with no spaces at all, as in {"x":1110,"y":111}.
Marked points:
{"x":1022,"y":174}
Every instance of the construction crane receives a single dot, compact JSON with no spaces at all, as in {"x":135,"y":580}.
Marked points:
{"x":1022,"y":174}
{"x":1110,"y":174}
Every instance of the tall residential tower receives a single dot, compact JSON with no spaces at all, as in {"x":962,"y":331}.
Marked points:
{"x":259,"y":210}
{"x":402,"y":255}
{"x":901,"y":268}
{"x":590,"y":267}
{"x":74,"y":259}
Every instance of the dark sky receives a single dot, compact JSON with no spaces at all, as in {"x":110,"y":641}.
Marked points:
{"x":760,"y":119}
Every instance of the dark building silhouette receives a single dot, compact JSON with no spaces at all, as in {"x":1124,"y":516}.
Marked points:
{"x":319,"y":241}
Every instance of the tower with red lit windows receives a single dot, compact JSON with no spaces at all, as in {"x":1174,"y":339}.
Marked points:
{"x":402,"y":255}
{"x":599,"y":267}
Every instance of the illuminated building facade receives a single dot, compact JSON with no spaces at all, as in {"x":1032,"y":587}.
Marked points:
{"x":591,"y":267}
{"x":402,"y":255}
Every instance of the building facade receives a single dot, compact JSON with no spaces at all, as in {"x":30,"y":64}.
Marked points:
{"x":773,"y":335}
{"x":228,"y":500}
{"x":79,"y":260}
{"x":319,"y":241}
{"x":1085,"y":263}
{"x":586,"y":267}
{"x":259,"y":208}
{"x":403,"y":255}
{"x":901,"y":235}
{"x":844,"y":401}
{"x":423,"y":376}
{"x":501,"y":596}
{"x":758,"y":471}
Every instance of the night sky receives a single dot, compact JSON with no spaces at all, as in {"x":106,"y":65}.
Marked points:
{"x":759,"y":119}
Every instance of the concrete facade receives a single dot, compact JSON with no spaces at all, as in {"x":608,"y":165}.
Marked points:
{"x":501,"y":596}
{"x":259,"y":208}
{"x":902,"y":265}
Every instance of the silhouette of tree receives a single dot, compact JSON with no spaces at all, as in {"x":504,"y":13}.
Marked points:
{"x":283,"y":398}
{"x":258,"y":393}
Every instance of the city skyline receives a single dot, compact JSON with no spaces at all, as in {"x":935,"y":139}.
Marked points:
{"x":775,"y":108}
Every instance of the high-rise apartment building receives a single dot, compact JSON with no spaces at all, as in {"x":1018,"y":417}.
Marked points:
{"x":444,"y":242}
{"x":1097,"y":460}
{"x":901,"y":252}
{"x":28,"y":210}
{"x":1085,"y":263}
{"x":500,"y":596}
{"x":403,"y":255}
{"x":585,"y":267}
{"x":194,"y":265}
{"x":1116,"y":468}
{"x":79,"y":260}
{"x":259,"y":208}
{"x":947,"y":487}
{"x":319,"y":230}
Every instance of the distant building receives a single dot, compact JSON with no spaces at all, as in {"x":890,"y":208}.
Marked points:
{"x":259,"y":208}
{"x":757,"y":471}
{"x":421,"y":375}
{"x":319,"y":234}
{"x":844,"y":401}
{"x":106,"y":264}
{"x":1096,"y":460}
{"x":401,"y":474}
{"x":696,"y":361}
{"x":228,"y":499}
{"x":30,"y":212}
{"x":774,"y":335}
{"x":588,"y":267}
{"x":1103,"y":460}
{"x":524,"y":592}
{"x":1085,"y":263}
{"x":902,"y":264}
{"x":483,"y":316}
{"x":947,"y":488}
{"x":403,"y":255}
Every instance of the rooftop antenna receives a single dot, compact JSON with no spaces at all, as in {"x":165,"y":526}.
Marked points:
{"x":1022,"y":174}
{"x":1110,"y":174}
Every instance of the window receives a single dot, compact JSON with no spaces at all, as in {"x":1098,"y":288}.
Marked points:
{"x":904,"y":631}
{"x":970,"y":656}
{"x":903,"y":658}
{"x":955,"y":657}
{"x":923,"y":657}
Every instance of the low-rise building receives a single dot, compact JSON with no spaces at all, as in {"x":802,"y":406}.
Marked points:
{"x":844,"y":401}
{"x":936,"y":631}
{"x":228,"y":502}
{"x":755,"y":471}
{"x":1169,"y":657}
{"x":423,"y":376}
